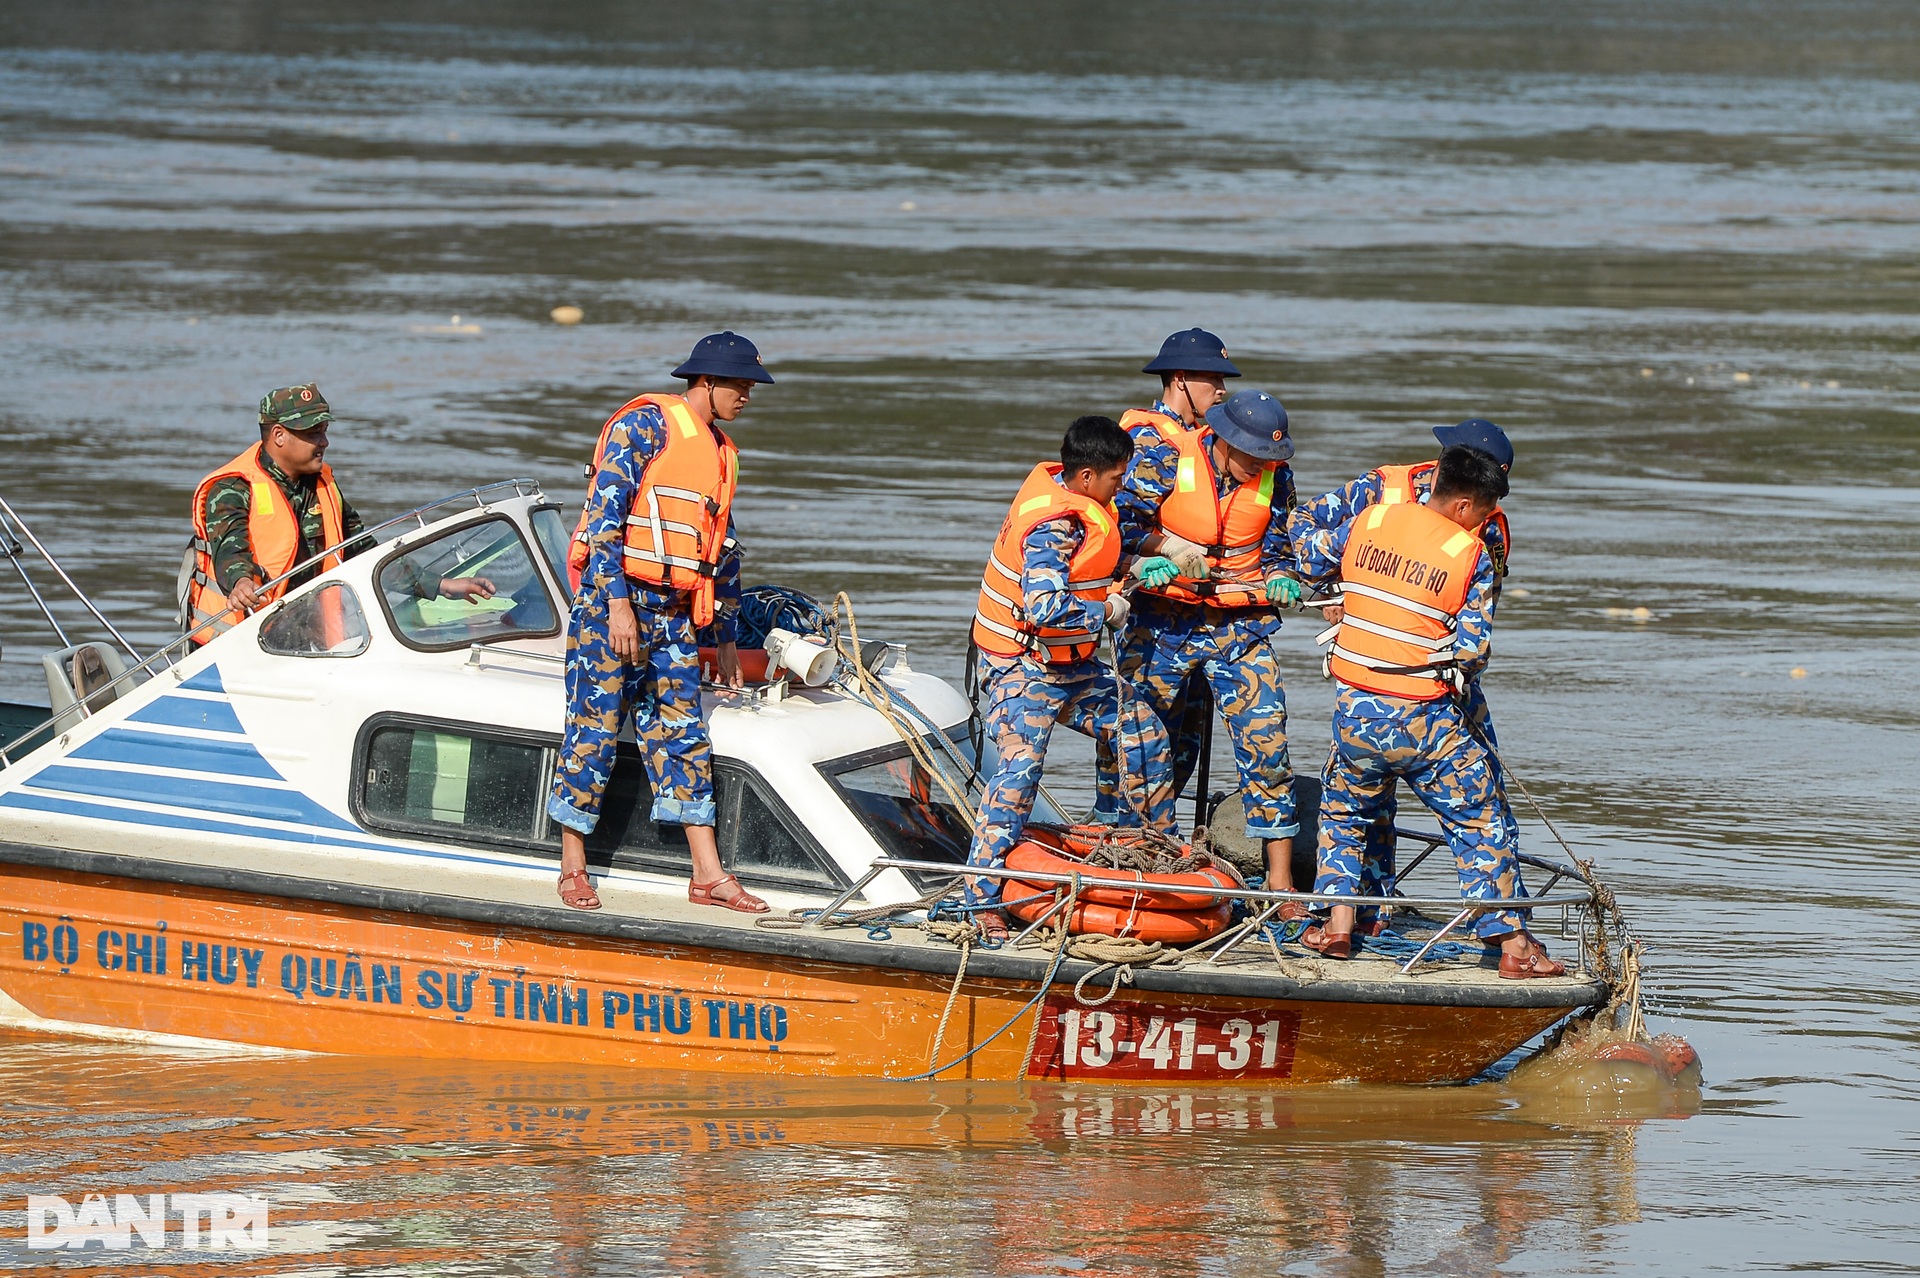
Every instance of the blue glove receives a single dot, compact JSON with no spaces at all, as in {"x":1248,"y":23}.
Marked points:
{"x":1156,"y":570}
{"x":1283,"y":592}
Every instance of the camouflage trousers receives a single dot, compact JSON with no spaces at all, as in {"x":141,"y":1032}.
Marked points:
{"x":1377,"y":740}
{"x":662,"y":694}
{"x":1169,"y":648}
{"x":1024,"y":699}
{"x":1377,"y":867}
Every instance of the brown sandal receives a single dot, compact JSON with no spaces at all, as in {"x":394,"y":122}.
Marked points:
{"x":1293,"y":911}
{"x":993,"y":927}
{"x":1335,"y":945}
{"x":582,"y":896}
{"x":1534,"y":966}
{"x":742,"y":901}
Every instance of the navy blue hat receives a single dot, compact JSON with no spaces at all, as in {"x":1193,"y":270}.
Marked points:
{"x":1193,"y":351}
{"x":1253,"y":422}
{"x":725,"y":355}
{"x":1478,"y":432}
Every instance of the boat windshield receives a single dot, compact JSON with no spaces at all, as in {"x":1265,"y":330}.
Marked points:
{"x":909,"y":812}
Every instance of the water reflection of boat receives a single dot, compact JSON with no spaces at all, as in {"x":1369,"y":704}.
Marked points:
{"x":404,"y":1160}
{"x":324,"y":831}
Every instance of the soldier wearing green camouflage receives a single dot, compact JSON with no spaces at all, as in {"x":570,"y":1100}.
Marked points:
{"x":302,"y":413}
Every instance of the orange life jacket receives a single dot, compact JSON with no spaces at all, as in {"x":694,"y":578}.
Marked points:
{"x":1000,"y":624}
{"x":273,"y":532}
{"x":1397,"y":484}
{"x":676,"y":531}
{"x":1146,"y":418}
{"x":1229,"y":529}
{"x":1405,"y":575}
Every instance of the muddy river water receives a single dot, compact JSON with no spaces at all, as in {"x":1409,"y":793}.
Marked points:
{"x":1670,"y":247}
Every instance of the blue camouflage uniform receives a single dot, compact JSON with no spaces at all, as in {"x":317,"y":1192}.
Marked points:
{"x":662,"y":692}
{"x":1187,"y":716}
{"x":1170,"y":645}
{"x":1429,"y":745}
{"x":1026,"y":697}
{"x":1326,"y":513}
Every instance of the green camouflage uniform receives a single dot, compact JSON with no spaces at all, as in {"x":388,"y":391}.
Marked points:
{"x":229,"y":503}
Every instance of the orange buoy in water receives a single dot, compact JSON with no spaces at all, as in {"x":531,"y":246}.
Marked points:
{"x":1668,"y":1054}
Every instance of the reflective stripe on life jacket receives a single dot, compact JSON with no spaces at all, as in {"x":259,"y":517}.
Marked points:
{"x":1230,"y":529}
{"x":273,"y":534}
{"x":1138,"y":419}
{"x":1397,"y":484}
{"x":1000,"y":624}
{"x":676,"y":533}
{"x":1405,"y":575}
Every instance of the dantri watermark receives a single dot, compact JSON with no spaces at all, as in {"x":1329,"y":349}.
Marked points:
{"x":197,"y":1221}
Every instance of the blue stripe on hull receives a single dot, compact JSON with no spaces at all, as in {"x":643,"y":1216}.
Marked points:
{"x":157,"y":750}
{"x":207,"y":680}
{"x":227,"y":798}
{"x":189,"y":712}
{"x":172,"y":821}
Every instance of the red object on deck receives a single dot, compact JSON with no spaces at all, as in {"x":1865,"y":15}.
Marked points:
{"x":753,"y":664}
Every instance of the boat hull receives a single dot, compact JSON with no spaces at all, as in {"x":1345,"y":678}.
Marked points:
{"x":123,"y":955}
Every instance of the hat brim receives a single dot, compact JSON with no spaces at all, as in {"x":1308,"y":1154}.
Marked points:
{"x":301,"y":423}
{"x":1197,"y":364}
{"x":1265,"y":447}
{"x":707,"y":368}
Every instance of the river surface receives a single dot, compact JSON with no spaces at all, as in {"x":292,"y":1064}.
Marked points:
{"x":1670,"y":247}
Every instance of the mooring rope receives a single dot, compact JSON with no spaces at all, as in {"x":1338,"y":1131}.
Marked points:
{"x":1053,"y":970}
{"x":874,"y":691}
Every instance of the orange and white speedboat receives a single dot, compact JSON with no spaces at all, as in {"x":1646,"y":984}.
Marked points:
{"x":324,"y":831}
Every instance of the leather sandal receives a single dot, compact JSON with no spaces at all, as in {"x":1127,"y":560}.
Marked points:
{"x":993,"y":926}
{"x":580,"y":895}
{"x":1335,"y":945}
{"x":1533,"y":966}
{"x":1293,"y":911}
{"x":742,"y":901}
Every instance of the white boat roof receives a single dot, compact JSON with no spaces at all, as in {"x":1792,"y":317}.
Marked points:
{"x":242,"y":745}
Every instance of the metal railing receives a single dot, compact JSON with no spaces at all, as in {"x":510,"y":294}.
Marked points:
{"x":1465,"y":907}
{"x":146,"y":665}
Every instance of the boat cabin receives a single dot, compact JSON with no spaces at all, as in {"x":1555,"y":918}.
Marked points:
{"x":370,"y":721}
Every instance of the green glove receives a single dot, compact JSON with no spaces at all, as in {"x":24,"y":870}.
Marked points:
{"x":1283,"y":592}
{"x":1156,"y":570}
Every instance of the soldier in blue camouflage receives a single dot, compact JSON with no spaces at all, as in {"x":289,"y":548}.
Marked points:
{"x":1193,"y":369}
{"x":1330,"y":510}
{"x":1026,"y":696}
{"x":1429,"y":744}
{"x":632,"y":649}
{"x":1170,"y":643}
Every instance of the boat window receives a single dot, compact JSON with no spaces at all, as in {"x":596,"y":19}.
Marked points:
{"x":326,"y":622}
{"x":555,"y":538}
{"x":441,"y":780}
{"x":424,"y":780}
{"x":906,"y":810}
{"x":474,"y":584}
{"x":757,"y":844}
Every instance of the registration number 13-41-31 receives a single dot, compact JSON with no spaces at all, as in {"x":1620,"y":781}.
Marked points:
{"x":1176,"y":1043}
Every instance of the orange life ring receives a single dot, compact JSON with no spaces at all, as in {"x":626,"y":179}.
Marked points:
{"x":1159,"y":891}
{"x":1170,"y":927}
